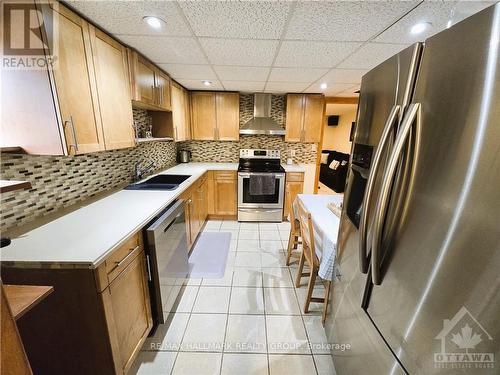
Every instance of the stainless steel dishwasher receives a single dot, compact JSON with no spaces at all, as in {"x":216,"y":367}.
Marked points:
{"x":167,"y":255}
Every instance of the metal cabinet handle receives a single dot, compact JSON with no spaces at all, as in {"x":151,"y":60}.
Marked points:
{"x":412,"y":114}
{"x":132,"y":251}
{"x":73,"y":132}
{"x":363,"y":223}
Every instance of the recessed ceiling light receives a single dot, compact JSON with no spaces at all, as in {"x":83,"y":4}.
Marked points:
{"x":420,"y":27}
{"x":207,"y":83}
{"x":323,"y":86}
{"x":152,"y":21}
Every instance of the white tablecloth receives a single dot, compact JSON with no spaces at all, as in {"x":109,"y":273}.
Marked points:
{"x":326,"y":227}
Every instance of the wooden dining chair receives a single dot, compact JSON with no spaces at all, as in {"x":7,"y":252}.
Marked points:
{"x":294,"y":237}
{"x":309,"y":255}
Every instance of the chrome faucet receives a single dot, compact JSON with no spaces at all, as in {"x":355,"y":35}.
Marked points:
{"x":140,"y":171}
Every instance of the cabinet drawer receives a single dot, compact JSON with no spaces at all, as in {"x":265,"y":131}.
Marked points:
{"x":225,"y":175}
{"x":295,"y":176}
{"x":122,"y":256}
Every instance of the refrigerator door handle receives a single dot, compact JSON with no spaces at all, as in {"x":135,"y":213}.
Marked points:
{"x":388,"y":127}
{"x":412,"y":114}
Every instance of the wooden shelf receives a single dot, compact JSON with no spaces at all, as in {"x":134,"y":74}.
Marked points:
{"x":7,"y":185}
{"x":22,"y":298}
{"x":153,"y":139}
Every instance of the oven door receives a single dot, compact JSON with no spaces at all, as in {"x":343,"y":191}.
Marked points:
{"x":247,"y":200}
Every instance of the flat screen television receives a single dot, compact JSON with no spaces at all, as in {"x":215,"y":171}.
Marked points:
{"x":333,"y":120}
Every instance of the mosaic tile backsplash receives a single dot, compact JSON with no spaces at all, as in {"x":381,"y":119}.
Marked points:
{"x":61,"y":181}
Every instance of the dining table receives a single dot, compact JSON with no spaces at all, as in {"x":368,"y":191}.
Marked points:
{"x":325,"y":227}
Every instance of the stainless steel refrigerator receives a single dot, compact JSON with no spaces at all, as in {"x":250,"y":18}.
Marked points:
{"x":417,"y":281}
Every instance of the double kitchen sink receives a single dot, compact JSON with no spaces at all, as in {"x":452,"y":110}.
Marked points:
{"x":159,"y":182}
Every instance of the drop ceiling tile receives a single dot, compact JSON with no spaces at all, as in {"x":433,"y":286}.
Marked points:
{"x":195,"y":84}
{"x":351,"y":92}
{"x":239,"y":52}
{"x":161,"y":49}
{"x":241,"y":73}
{"x":330,"y":90}
{"x":438,"y":13}
{"x":231,"y":19}
{"x":344,"y":20}
{"x":370,"y":55}
{"x":296,"y":74}
{"x":186,"y":71}
{"x":344,"y":76}
{"x":313,"y":54}
{"x":284,"y":87}
{"x":125,"y":17}
{"x":244,"y":86}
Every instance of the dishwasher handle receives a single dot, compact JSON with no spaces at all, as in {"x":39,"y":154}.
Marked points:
{"x":167,"y":218}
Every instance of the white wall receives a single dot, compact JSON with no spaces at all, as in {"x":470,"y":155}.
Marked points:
{"x":337,"y":137}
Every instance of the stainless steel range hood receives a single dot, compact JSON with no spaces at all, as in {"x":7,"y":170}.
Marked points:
{"x":262,"y":123}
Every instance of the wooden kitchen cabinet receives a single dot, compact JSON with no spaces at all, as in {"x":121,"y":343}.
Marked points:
{"x":196,"y":208}
{"x":215,"y":116}
{"x":294,"y":184}
{"x":150,"y":86}
{"x":225,"y":193}
{"x":110,"y":62}
{"x":95,"y":321}
{"x":305,"y":116}
{"x":80,"y":106}
{"x":180,"y":113}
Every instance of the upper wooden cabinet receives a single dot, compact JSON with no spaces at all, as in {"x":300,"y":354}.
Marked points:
{"x":150,"y":87}
{"x":305,"y":115}
{"x":215,"y":116}
{"x":180,"y":113}
{"x":110,"y":62}
{"x":80,"y":106}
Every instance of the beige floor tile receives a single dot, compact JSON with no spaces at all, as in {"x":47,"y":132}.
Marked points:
{"x":182,"y":301}
{"x":268,"y":226}
{"x":244,"y":364}
{"x":234,"y":233}
{"x":272,"y":246}
{"x":204,"y":332}
{"x":246,"y":301}
{"x":286,"y":334}
{"x":273,"y":260}
{"x":249,"y":226}
{"x":213,"y":224}
{"x":281,"y":301}
{"x":247,"y":277}
{"x":168,"y":336}
{"x":324,"y":364}
{"x":248,"y":234}
{"x":315,"y":308}
{"x":229,"y":225}
{"x":291,"y":365}
{"x":197,"y":364}
{"x":212,"y":300}
{"x":278,"y":277}
{"x":246,"y":333}
{"x":153,"y":363}
{"x":249,"y":245}
{"x":285,"y":225}
{"x":247,"y":259}
{"x":226,"y":280}
{"x":284,"y":234}
{"x":316,"y":333}
{"x":269,"y":235}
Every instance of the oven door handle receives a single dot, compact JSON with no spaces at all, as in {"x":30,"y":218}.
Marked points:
{"x":248,"y":174}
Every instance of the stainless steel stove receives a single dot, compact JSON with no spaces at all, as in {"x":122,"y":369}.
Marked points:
{"x":261,"y":185}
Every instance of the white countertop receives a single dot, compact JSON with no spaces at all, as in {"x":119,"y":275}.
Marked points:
{"x":86,"y":236}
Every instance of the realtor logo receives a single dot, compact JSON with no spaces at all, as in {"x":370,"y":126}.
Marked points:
{"x":464,"y":344}
{"x":29,"y":40}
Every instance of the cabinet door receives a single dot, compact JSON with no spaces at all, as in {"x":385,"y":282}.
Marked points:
{"x":187,"y":110}
{"x":128,"y":312}
{"x":162,"y":85}
{"x":225,"y":191}
{"x":110,"y":61}
{"x":314,"y":117}
{"x":203,"y":115}
{"x":294,"y":187}
{"x":294,"y":117}
{"x":228,"y":116}
{"x":178,"y":112}
{"x":144,"y":81}
{"x":74,"y":83}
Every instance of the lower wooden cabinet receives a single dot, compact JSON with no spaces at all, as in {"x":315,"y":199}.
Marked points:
{"x":225,"y":193}
{"x":95,"y":321}
{"x":196,"y":208}
{"x":294,"y":184}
